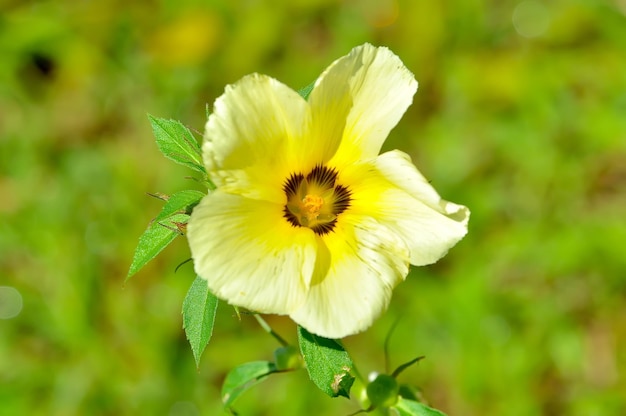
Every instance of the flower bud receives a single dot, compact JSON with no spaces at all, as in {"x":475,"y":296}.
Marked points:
{"x":383,"y":391}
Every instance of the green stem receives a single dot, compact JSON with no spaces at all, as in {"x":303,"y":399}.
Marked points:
{"x":270,"y":331}
{"x":387,"y":342}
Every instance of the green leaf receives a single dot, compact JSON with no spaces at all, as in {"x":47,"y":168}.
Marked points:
{"x":177,"y":143}
{"x":406,"y":407}
{"x":328,"y":364}
{"x":409,"y":392}
{"x":158,"y":236}
{"x":306,"y":91}
{"x":198,"y":316}
{"x":243,"y":377}
{"x":180,"y":201}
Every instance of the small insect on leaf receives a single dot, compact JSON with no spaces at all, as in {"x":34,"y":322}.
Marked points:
{"x":180,"y":203}
{"x":157,"y":236}
{"x":159,"y":195}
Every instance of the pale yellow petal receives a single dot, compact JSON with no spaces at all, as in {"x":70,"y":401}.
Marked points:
{"x":255,"y":182}
{"x":357,"y":101}
{"x":363,"y":261}
{"x":249,"y":254}
{"x":255,"y":125}
{"x":398,"y":168}
{"x":392,"y":190}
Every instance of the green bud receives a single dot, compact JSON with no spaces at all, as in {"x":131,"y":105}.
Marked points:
{"x":383,"y":391}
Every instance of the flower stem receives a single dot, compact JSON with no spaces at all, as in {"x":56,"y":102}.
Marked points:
{"x":270,"y":331}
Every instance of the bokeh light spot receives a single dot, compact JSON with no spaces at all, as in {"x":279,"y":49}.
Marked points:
{"x":10,"y":302}
{"x":531,"y":19}
{"x":187,"y":40}
{"x":378,"y":13}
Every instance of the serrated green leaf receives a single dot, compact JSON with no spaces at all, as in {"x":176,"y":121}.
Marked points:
{"x":177,"y":143}
{"x":199,"y":309}
{"x":157,"y":236}
{"x":306,"y":91}
{"x":180,"y":201}
{"x":406,"y":407}
{"x":327,"y":362}
{"x":243,"y":377}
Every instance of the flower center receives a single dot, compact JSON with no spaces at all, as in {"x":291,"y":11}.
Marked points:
{"x":311,"y":206}
{"x":314,"y":200}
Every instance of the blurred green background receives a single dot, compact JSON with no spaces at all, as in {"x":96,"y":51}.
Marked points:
{"x":520,"y":115}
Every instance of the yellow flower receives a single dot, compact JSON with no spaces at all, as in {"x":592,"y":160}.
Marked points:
{"x":308,"y":220}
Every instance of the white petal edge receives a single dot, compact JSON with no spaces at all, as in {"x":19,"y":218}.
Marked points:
{"x":365,"y":262}
{"x":249,"y":255}
{"x":256,"y":122}
{"x":393,"y":191}
{"x":358,"y":100}
{"x":398,"y":168}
